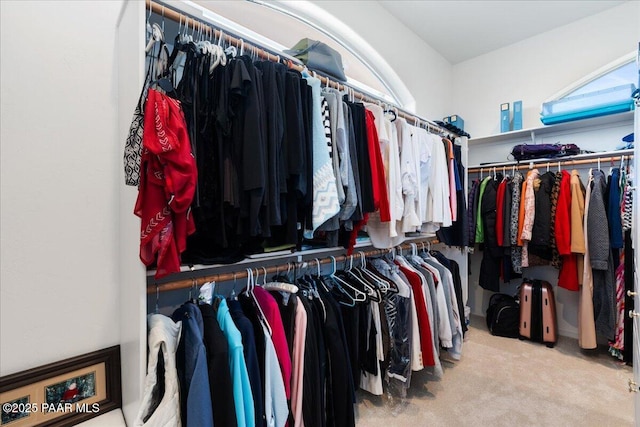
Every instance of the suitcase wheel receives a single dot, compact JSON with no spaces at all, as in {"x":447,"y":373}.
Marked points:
{"x":551,"y":344}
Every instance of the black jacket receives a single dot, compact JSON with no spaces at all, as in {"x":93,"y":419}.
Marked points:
{"x":489,"y":277}
{"x":540,"y":244}
{"x":217,"y":348}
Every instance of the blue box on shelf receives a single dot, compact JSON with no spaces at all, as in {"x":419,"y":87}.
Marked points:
{"x":457,"y":121}
{"x":593,"y":104}
{"x":504,"y":117}
{"x":517,"y":115}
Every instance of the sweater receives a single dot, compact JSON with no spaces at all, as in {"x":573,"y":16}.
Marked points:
{"x":325,"y":193}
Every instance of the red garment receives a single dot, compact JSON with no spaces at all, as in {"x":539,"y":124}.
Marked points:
{"x":167,"y":185}
{"x":562,"y":227}
{"x":379,"y":180}
{"x":568,"y":276}
{"x":426,"y":339}
{"x":502,"y":188}
{"x":271,"y":311}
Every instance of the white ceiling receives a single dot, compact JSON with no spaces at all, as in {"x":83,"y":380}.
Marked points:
{"x":461,"y":30}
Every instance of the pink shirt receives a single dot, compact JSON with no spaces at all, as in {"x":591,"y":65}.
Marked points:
{"x":271,"y":311}
{"x":298,"y":363}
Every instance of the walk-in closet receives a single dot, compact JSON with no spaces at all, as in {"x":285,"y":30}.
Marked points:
{"x":319,"y":213}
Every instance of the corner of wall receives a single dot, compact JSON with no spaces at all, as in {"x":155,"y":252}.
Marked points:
{"x":132,"y":276}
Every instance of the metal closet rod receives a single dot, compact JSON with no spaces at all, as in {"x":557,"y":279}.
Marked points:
{"x":169,"y":13}
{"x":243,"y":273}
{"x":527,"y":165}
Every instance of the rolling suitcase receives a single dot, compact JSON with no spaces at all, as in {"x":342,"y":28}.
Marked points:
{"x":538,"y":320}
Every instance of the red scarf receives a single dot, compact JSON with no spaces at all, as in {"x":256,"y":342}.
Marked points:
{"x":167,"y":184}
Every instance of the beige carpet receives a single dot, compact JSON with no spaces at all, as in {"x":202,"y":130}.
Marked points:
{"x":508,"y":382}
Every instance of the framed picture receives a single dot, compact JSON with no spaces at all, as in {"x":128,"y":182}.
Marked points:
{"x":62,"y":393}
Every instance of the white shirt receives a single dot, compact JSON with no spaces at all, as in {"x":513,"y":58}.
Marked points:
{"x":410,"y":174}
{"x":438,"y":212}
{"x":387,"y":235}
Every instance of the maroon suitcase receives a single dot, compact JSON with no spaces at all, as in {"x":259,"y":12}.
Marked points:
{"x":538,"y":321}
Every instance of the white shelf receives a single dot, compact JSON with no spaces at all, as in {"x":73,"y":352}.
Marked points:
{"x":626,"y":117}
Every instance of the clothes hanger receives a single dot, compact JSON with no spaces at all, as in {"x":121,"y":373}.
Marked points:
{"x":249,"y":292}
{"x":370,"y":291}
{"x":358,"y":296}
{"x":233,"y":295}
{"x":279,"y":285}
{"x":156,"y":36}
{"x":384,"y":286}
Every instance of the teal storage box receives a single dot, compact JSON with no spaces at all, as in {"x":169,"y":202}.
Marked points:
{"x":457,"y":121}
{"x":517,"y":115}
{"x":594,"y":104}
{"x":504,"y":117}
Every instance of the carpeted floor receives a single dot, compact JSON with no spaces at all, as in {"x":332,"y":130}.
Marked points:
{"x":508,"y":382}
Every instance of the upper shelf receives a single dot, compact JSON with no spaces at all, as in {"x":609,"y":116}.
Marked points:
{"x":626,"y":117}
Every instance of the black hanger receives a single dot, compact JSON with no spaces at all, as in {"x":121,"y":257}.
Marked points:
{"x":392,"y":113}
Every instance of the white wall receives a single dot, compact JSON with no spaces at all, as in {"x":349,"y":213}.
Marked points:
{"x":59,"y":160}
{"x":536,"y":68}
{"x":423,"y":70}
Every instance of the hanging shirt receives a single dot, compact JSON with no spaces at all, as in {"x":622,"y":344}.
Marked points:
{"x":426,"y":340}
{"x":275,"y":404}
{"x":325,"y":192}
{"x":345,"y":151}
{"x":438,"y":203}
{"x":453,"y":204}
{"x":417,"y":363}
{"x":297,"y":363}
{"x":424,"y":143}
{"x":330,"y":120}
{"x":271,"y":311}
{"x":386,"y":235}
{"x":242,"y":395}
{"x":410,"y":172}
{"x":251,"y":358}
{"x":455,"y":319}
{"x":445,"y":335}
{"x":372,"y":382}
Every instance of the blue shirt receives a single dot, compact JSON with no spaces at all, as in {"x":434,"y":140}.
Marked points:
{"x":242,"y":396}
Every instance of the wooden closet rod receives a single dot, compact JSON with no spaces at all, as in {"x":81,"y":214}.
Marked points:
{"x":188,"y":21}
{"x":242,"y":273}
{"x":527,"y":164}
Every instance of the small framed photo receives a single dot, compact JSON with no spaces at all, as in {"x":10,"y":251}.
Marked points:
{"x":62,"y":393}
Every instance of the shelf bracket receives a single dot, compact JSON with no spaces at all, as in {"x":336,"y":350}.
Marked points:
{"x":533,"y":137}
